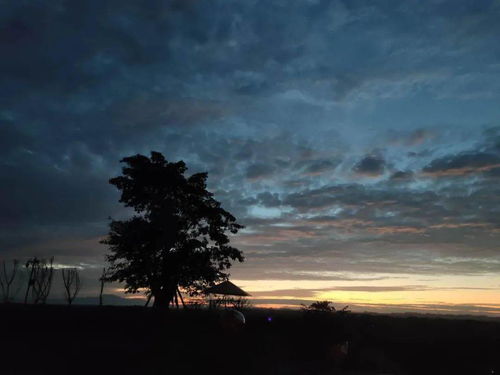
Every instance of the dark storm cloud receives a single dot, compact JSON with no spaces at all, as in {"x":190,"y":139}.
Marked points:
{"x":69,"y":112}
{"x":370,"y":165}
{"x":68,"y":47}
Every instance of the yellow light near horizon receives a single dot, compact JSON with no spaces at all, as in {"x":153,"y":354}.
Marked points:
{"x":410,"y":290}
{"x":455,"y":297}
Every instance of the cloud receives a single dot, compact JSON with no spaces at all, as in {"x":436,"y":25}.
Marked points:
{"x":257,"y":171}
{"x":146,"y":112}
{"x":311,"y":293}
{"x":317,"y":167}
{"x":419,"y":136}
{"x":463,"y":164}
{"x":268,"y":199}
{"x":283,"y":106}
{"x":370,"y":166}
{"x":402,"y":176}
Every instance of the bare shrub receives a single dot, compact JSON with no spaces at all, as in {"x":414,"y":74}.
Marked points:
{"x":40,"y":272}
{"x":6,"y":279}
{"x":72,"y":284}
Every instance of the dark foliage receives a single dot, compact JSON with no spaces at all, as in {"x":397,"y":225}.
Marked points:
{"x":178,"y":236}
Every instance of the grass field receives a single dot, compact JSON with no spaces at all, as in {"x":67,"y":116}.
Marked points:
{"x":135,"y":340}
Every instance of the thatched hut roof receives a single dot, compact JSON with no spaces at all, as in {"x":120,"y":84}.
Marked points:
{"x":226,"y":288}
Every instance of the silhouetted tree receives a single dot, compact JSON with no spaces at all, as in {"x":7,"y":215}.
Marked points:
{"x":41,"y":272}
{"x":72,"y":285}
{"x":177,"y":238}
{"x":324,"y":306}
{"x":7,"y":279}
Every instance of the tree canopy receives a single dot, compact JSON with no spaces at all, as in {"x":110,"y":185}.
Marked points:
{"x":178,"y":236}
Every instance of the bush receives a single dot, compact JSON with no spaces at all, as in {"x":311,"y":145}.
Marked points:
{"x":325,"y":307}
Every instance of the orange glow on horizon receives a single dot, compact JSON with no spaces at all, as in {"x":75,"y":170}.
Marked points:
{"x":398,"y":293}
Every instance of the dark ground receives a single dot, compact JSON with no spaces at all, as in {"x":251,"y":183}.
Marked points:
{"x":135,"y":340}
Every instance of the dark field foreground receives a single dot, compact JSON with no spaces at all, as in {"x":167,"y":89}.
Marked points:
{"x":132,"y":340}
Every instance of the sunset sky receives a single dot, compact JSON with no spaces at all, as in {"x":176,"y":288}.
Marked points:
{"x":357,"y":141}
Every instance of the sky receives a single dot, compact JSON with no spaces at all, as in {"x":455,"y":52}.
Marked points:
{"x":357,"y":141}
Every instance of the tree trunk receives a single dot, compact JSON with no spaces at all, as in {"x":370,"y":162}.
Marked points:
{"x":30,"y":285}
{"x":148,"y":300}
{"x":180,"y":296}
{"x":164,"y":297}
{"x":102,"y":285}
{"x":161,"y":300}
